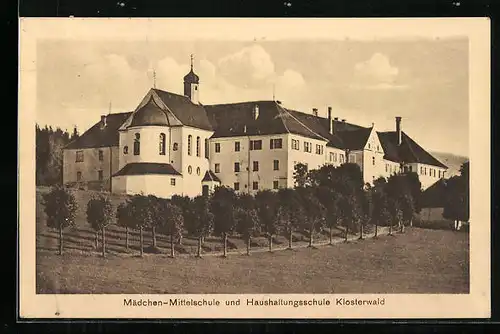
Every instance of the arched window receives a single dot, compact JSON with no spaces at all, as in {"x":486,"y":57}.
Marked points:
{"x":197,"y":146}
{"x":190,"y":140}
{"x":162,"y":144}
{"x":137,"y":144}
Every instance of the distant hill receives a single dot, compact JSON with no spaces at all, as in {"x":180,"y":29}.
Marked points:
{"x":451,"y":160}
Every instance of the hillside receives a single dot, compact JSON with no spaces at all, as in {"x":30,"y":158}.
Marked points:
{"x":451,"y":160}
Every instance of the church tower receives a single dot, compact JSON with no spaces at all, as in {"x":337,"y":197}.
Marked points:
{"x":191,"y":83}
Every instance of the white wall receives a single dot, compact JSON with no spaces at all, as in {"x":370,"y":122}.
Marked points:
{"x":158,"y":185}
{"x":425,"y":175}
{"x":312,"y":160}
{"x":149,"y":145}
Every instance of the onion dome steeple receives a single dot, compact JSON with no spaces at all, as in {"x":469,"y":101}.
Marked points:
{"x":191,"y":82}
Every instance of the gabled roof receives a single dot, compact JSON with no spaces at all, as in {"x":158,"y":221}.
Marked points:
{"x":149,"y":114}
{"x":408,"y":152}
{"x":187,"y":112}
{"x":434,"y":196}
{"x":354,"y":139}
{"x":210,"y":177}
{"x":98,"y":136}
{"x":146,"y":168}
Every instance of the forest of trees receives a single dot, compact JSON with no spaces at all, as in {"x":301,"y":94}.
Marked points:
{"x":49,"y":153}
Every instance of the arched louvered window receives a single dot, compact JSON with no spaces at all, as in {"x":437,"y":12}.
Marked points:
{"x":162,"y":144}
{"x":190,"y":142}
{"x":198,"y":146}
{"x":137,"y":144}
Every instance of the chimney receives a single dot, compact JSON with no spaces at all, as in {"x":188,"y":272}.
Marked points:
{"x":278,"y":102}
{"x":244,"y":129}
{"x":315,"y":111}
{"x":256,"y":111}
{"x":398,"y":129}
{"x":336,"y":118}
{"x":343,"y":121}
{"x":103,"y":121}
{"x":330,"y":121}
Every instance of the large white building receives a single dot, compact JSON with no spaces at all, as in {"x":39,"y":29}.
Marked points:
{"x":172,"y":144}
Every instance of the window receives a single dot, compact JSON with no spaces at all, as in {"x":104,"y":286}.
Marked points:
{"x":78,"y":176}
{"x":100,"y":175}
{"x":125,"y":149}
{"x":236,"y":186}
{"x":373,"y":161}
{"x":378,"y":148}
{"x":255,"y":166}
{"x":101,"y":155}
{"x":198,"y":171}
{"x":368,"y":145}
{"x":319,"y":149}
{"x":331,"y":156}
{"x":162,"y":144}
{"x":206,"y":149}
{"x":275,"y":185}
{"x":217,"y":147}
{"x":190,"y":169}
{"x":205,"y":190}
{"x":217,"y":168}
{"x":255,"y":145}
{"x":237,"y":146}
{"x":334,"y":157}
{"x":352,"y":158}
{"x":410,"y":168}
{"x":421,"y":170}
{"x":342,"y":158}
{"x":190,"y":139}
{"x":79,"y":156}
{"x":425,"y":170}
{"x":275,"y":143}
{"x":255,"y":185}
{"x":172,"y":182}
{"x":386,"y":168}
{"x":439,"y":173}
{"x":307,"y":147}
{"x":137,"y":144}
{"x":236,"y":166}
{"x":276,"y":165}
{"x":295,"y":144}
{"x":175,"y":147}
{"x":198,"y":146}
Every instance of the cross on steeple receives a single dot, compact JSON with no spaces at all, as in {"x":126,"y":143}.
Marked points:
{"x":192,"y":61}
{"x":154,"y":78}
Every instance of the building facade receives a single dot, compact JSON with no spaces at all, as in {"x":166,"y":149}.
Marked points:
{"x":173,"y":145}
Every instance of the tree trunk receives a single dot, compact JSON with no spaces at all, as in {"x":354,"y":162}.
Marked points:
{"x":411,"y":222}
{"x":331,"y":235}
{"x":376,"y":230}
{"x":311,"y":231}
{"x":361,"y":231}
{"x":103,"y":242}
{"x":179,"y":241}
{"x":270,"y":238}
{"x":141,"y":241}
{"x":249,"y":240}
{"x":172,"y":246}
{"x":346,"y":233}
{"x":202,"y":239}
{"x":96,"y":239}
{"x":153,"y":232}
{"x":126,"y":238}
{"x":390,"y":228}
{"x":402,"y":227}
{"x":290,"y":239}
{"x":199,"y":247}
{"x":225,"y":244}
{"x":60,"y":240}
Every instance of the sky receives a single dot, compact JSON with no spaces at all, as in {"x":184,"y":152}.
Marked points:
{"x":423,"y":80}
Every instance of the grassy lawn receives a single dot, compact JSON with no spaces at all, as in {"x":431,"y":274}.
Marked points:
{"x":418,"y":261}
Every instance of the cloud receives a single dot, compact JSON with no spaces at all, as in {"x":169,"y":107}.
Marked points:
{"x":250,"y":67}
{"x":380,"y":87}
{"x":377,"y":69}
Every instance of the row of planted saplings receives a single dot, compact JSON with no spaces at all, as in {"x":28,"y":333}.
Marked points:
{"x":224,"y":212}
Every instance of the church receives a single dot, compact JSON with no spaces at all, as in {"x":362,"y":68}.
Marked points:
{"x":174,"y":145}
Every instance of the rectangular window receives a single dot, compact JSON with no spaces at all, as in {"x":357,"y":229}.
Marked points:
{"x":275,"y":143}
{"x":78,"y":176}
{"x":79,"y":156}
{"x":319,"y":149}
{"x":217,"y":168}
{"x":352,"y":158}
{"x":255,"y":185}
{"x":237,"y":146}
{"x":341,"y":158}
{"x":307,"y":147}
{"x":275,"y":185}
{"x":439,"y":173}
{"x":101,"y":155}
{"x":236,"y":186}
{"x":334,"y":157}
{"x":206,"y":149}
{"x":100,"y":175}
{"x":425,"y":170}
{"x":386,"y":168}
{"x":172,"y":182}
{"x":255,"y":145}
{"x":276,"y":165}
{"x":236,"y":166}
{"x":217,"y":147}
{"x":255,"y":166}
{"x":295,"y":144}
{"x":421,"y":170}
{"x":373,"y":161}
{"x":410,"y":168}
{"x":331,"y":156}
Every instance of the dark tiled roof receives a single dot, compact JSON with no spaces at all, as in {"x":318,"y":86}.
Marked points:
{"x":97,"y":137}
{"x":188,"y":113}
{"x":434,"y":196}
{"x":313,"y":126}
{"x":149,"y":114}
{"x":409,"y":151}
{"x":145,"y":168}
{"x":210,"y":176}
{"x":354,"y":139}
